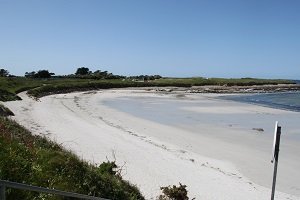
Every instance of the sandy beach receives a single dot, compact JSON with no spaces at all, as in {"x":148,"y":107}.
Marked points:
{"x":222,"y":156}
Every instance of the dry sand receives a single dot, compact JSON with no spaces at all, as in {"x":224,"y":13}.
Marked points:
{"x":152,"y":154}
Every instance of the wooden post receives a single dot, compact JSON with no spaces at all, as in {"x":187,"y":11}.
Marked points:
{"x":276,"y":160}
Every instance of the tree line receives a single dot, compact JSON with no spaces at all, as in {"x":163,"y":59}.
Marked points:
{"x":83,"y":73}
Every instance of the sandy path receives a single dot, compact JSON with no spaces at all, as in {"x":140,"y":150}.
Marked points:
{"x":152,"y":155}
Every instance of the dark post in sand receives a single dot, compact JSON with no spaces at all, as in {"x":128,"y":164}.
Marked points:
{"x":275,"y":156}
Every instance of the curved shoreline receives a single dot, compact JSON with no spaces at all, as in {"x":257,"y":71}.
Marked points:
{"x":96,"y":132}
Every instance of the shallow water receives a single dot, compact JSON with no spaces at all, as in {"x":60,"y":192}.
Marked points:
{"x":286,"y":100}
{"x":179,"y":113}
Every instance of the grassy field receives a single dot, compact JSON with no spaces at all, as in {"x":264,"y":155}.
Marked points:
{"x":9,"y":87}
{"x":30,"y":159}
{"x":198,"y":81}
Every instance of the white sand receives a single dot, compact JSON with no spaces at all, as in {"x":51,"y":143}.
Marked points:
{"x":153,"y":154}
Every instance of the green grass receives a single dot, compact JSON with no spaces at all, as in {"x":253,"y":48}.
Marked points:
{"x":199,"y":81}
{"x":8,"y":96}
{"x":34,"y":160}
{"x":18,"y":84}
{"x":94,"y":85}
{"x":4,"y":112}
{"x":9,"y":87}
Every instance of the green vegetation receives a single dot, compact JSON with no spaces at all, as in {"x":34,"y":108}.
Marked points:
{"x":94,"y":85}
{"x":34,"y":160}
{"x":10,"y":86}
{"x":174,"y":193}
{"x":91,"y":84}
{"x":43,"y":82}
{"x":40,"y":74}
{"x":8,"y":96}
{"x":4,"y":112}
{"x":199,"y":81}
{"x":82,"y":71}
{"x":4,"y":73}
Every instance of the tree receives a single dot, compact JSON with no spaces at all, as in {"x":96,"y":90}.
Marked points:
{"x":82,"y":71}
{"x":43,"y":74}
{"x":30,"y":74}
{"x":39,"y":74}
{"x":4,"y":73}
{"x":157,"y":77}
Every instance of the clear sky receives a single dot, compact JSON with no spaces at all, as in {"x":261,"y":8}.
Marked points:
{"x":225,"y":38}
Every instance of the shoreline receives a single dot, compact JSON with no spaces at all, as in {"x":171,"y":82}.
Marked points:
{"x":224,"y":89}
{"x":151,"y":158}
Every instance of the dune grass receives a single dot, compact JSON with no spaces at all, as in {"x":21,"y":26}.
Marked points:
{"x":94,"y":85}
{"x":199,"y":81}
{"x":4,"y":111}
{"x":10,"y":86}
{"x":35,"y":160}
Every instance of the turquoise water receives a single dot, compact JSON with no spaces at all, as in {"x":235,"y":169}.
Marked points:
{"x":286,"y":100}
{"x":171,"y":111}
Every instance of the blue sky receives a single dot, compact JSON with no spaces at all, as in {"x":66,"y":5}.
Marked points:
{"x":232,"y":38}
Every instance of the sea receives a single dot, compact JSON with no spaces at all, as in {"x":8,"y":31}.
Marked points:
{"x":280,"y":100}
{"x":297,"y":81}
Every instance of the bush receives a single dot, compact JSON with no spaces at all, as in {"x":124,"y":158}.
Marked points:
{"x":109,"y":167}
{"x":174,"y":193}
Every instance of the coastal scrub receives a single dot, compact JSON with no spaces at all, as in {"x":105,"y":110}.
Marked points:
{"x":35,"y":160}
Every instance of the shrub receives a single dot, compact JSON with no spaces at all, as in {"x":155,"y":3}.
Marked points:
{"x":174,"y":193}
{"x":109,"y":167}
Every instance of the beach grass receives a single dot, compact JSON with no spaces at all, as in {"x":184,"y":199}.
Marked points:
{"x":11,"y":86}
{"x":200,"y":81}
{"x":35,"y":160}
{"x":4,"y":111}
